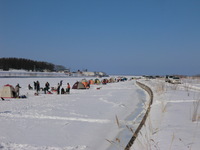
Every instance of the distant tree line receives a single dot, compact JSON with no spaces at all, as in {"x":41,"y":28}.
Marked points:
{"x":27,"y":64}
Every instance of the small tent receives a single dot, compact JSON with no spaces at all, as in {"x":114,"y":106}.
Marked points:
{"x":97,"y":81}
{"x":7,"y":91}
{"x":85,"y":82}
{"x":78,"y":85}
{"x":104,"y":81}
{"x":112,"y":80}
{"x":91,"y":81}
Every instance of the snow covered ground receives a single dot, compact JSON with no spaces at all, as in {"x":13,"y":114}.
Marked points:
{"x":173,"y":123}
{"x":102,"y":119}
{"x":89,"y":119}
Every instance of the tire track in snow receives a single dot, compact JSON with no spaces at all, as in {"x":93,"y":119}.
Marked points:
{"x":55,"y":118}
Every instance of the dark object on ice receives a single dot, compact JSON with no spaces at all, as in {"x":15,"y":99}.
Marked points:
{"x":2,"y":99}
{"x":22,"y":96}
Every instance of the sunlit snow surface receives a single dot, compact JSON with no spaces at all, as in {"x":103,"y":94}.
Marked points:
{"x":171,"y":124}
{"x":82,"y":120}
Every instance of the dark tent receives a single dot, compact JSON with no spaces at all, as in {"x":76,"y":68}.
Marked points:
{"x":78,"y":85}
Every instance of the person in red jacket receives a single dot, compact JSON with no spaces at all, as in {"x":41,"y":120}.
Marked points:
{"x":68,"y":88}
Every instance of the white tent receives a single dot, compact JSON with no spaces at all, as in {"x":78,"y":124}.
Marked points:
{"x":7,"y":91}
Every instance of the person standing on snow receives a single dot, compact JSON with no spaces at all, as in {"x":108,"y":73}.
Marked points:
{"x":58,"y":89}
{"x":68,"y":88}
{"x":61,"y":82}
{"x":47,"y":85}
{"x":17,"y":87}
{"x":37,"y":86}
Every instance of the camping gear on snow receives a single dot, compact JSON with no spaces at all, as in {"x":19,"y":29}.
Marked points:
{"x":78,"y":85}
{"x":112,"y":80}
{"x":97,"y":81}
{"x":104,"y":81}
{"x":7,"y":91}
{"x":91,"y":81}
{"x":22,"y":96}
{"x":85,"y":82}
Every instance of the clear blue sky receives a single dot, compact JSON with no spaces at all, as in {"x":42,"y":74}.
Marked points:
{"x":151,"y":37}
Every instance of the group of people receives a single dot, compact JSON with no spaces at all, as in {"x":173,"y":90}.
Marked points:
{"x":63,"y":91}
{"x":46,"y":89}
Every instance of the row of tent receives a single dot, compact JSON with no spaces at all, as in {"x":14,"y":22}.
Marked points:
{"x":84,"y":84}
{"x":8,"y":91}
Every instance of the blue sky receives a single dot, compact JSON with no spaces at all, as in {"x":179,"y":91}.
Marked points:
{"x":136,"y":37}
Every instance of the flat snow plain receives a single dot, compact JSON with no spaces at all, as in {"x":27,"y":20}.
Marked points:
{"x":89,"y":119}
{"x":101,"y":119}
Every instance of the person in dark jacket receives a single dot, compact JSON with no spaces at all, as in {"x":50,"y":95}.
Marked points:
{"x":30,"y":87}
{"x":37,"y":86}
{"x":47,"y":86}
{"x":46,"y":89}
{"x":61,"y":83}
{"x":58,"y":89}
{"x":62,"y":91}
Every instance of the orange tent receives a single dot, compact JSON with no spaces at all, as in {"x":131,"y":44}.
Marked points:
{"x":91,"y":81}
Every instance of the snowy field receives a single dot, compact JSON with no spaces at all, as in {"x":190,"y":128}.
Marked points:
{"x":173,"y":123}
{"x":89,"y":119}
{"x":102,"y":119}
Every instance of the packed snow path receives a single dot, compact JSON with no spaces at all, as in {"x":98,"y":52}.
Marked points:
{"x":84,"y":119}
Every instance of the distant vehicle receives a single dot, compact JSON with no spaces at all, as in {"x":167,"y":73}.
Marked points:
{"x":176,"y":80}
{"x":168,"y":78}
{"x":173,"y":79}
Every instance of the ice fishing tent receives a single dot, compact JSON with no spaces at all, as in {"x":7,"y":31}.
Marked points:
{"x":104,"y":81}
{"x":78,"y":85}
{"x":97,"y":81}
{"x":85,"y":82}
{"x":7,"y":91}
{"x":112,"y":79}
{"x":91,"y":81}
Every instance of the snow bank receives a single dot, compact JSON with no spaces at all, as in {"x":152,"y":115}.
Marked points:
{"x":170,"y":124}
{"x":144,"y":118}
